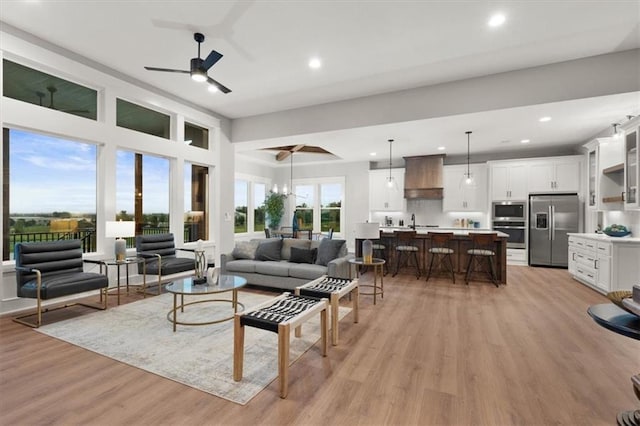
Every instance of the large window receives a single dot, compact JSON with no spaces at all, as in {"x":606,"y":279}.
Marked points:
{"x":259,"y":195}
{"x":142,"y":192}
{"x":49,"y":190}
{"x":38,"y":88}
{"x":241,"y":198}
{"x":196,"y":217}
{"x":319,"y":204}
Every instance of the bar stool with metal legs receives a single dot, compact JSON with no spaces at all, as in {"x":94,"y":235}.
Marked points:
{"x":380,"y":251}
{"x":405,"y":247}
{"x":441,"y":253}
{"x":482,"y":247}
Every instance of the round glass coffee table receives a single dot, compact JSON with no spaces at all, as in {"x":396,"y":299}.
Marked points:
{"x":186,"y":287}
{"x":378,"y":265}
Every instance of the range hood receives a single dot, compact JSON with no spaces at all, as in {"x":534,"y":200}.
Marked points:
{"x":423,"y":177}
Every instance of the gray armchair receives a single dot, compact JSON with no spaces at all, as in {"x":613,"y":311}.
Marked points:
{"x":159,"y":252}
{"x":46,"y":270}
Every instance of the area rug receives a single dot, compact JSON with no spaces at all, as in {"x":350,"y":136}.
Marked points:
{"x":139,"y":334}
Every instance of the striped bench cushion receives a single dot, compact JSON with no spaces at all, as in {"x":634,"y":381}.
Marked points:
{"x":268,"y":317}
{"x":325,"y":287}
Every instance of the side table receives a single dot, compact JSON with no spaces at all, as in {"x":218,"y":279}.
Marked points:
{"x":126,"y":262}
{"x":378,"y":269}
{"x":622,"y":322}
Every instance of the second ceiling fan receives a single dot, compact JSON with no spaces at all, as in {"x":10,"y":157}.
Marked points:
{"x":199,"y":67}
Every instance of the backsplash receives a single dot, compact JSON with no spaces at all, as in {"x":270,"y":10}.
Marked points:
{"x":429,"y":212}
{"x":630,"y":219}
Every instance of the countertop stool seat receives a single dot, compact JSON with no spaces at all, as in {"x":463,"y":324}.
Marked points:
{"x":278,"y":315}
{"x":405,"y":249}
{"x":381,"y":251}
{"x":441,"y":253}
{"x":482,"y":248}
{"x":333,"y":289}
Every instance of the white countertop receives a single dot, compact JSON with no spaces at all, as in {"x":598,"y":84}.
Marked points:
{"x":604,"y":237}
{"x":456,"y":231}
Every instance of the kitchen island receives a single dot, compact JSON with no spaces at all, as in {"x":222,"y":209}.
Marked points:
{"x":461,"y":243}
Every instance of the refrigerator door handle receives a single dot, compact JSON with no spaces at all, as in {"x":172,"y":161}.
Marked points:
{"x":549,"y":219}
{"x":553,"y":222}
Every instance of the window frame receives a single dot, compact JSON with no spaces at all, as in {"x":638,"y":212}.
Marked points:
{"x":252,"y":180}
{"x":317,"y":207}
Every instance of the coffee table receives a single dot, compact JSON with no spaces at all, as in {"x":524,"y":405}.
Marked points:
{"x":185,"y":287}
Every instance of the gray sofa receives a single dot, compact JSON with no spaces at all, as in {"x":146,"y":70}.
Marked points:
{"x":286,"y":263}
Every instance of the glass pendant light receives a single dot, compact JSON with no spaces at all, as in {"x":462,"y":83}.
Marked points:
{"x":390,"y":182}
{"x":468,"y":180}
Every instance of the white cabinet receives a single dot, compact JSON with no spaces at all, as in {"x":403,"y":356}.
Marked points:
{"x":560,"y":174}
{"x":381,"y":196}
{"x":508,"y":180}
{"x":605,"y":264}
{"x":605,"y":170}
{"x":458,"y":196}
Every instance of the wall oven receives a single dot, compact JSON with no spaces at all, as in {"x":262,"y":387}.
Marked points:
{"x":510,"y":217}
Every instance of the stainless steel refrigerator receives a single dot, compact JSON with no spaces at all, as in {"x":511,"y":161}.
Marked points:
{"x":551,"y":217}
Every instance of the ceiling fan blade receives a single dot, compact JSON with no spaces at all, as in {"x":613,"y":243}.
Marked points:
{"x":211,"y":59}
{"x":220,"y":87}
{"x":167,"y":70}
{"x":284,"y":154}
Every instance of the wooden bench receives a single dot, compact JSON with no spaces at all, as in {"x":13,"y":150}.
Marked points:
{"x":278,"y":315}
{"x":333,"y":289}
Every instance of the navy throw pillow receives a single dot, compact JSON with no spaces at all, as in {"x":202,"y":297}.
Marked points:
{"x":299,"y":255}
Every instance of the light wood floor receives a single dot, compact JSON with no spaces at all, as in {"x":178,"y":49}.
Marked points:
{"x":429,"y":353}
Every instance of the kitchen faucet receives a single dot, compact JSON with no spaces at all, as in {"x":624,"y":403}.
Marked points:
{"x":413,"y":221}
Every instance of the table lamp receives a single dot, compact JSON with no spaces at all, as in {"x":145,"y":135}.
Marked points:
{"x":365,"y":231}
{"x":119,"y":229}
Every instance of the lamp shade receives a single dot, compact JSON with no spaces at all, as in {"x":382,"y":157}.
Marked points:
{"x":117,"y":229}
{"x":369,"y":230}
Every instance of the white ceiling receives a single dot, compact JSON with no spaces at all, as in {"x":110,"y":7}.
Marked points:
{"x":367,"y":47}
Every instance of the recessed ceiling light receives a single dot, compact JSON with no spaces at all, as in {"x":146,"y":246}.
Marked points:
{"x":373,"y":154}
{"x":544,"y":119}
{"x":315,"y":63}
{"x":525,"y":141}
{"x":497,"y":20}
{"x":212,"y":88}
{"x":441,"y":148}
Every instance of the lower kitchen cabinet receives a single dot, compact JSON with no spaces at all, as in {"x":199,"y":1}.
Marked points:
{"x":604,"y":263}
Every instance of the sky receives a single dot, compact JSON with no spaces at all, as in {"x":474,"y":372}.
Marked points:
{"x":50,"y":174}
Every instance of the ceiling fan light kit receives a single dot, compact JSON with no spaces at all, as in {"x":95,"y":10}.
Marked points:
{"x":198,"y":67}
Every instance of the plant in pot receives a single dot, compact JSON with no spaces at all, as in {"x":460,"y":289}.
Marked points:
{"x":274,"y":208}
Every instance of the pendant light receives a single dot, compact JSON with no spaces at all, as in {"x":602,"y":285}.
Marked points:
{"x":616,"y":132}
{"x":468,"y":179}
{"x":390,"y":182}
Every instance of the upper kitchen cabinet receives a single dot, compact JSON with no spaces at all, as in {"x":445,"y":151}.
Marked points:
{"x":383,"y":197}
{"x":460,"y":197}
{"x":631,"y":171}
{"x":604,"y":173}
{"x":508,"y":180}
{"x":556,"y":174}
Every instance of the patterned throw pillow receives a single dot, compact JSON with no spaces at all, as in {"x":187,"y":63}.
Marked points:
{"x":269,"y":249}
{"x":245,"y":250}
{"x":329,"y":250}
{"x":300,"y":255}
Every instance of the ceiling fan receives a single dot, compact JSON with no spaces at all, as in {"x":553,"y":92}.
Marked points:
{"x":199,"y":67}
{"x":52,"y":90}
{"x":286,"y":151}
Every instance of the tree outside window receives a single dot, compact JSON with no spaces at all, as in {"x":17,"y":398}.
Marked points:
{"x":241,"y":198}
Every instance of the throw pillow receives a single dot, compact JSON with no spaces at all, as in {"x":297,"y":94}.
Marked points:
{"x":328,"y":250}
{"x":269,"y":249}
{"x":245,"y":250}
{"x":300,"y":255}
{"x":288,"y":243}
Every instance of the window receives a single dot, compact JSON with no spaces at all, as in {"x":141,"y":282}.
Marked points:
{"x":259,"y":195}
{"x":142,"y":192}
{"x":305,"y":203}
{"x":50,"y":190}
{"x":196,"y":136}
{"x":196,"y":217}
{"x":38,"y":88}
{"x":141,"y":119}
{"x":241,"y":197}
{"x":322,"y":211}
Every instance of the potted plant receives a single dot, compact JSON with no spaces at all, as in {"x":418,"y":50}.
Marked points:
{"x":274,"y":208}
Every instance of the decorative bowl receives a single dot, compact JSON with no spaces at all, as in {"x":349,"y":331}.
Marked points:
{"x":616,"y":233}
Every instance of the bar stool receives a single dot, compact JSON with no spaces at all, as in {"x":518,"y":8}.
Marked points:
{"x":405,"y":246}
{"x":441,"y":251}
{"x":482,"y":247}
{"x":381,"y":251}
